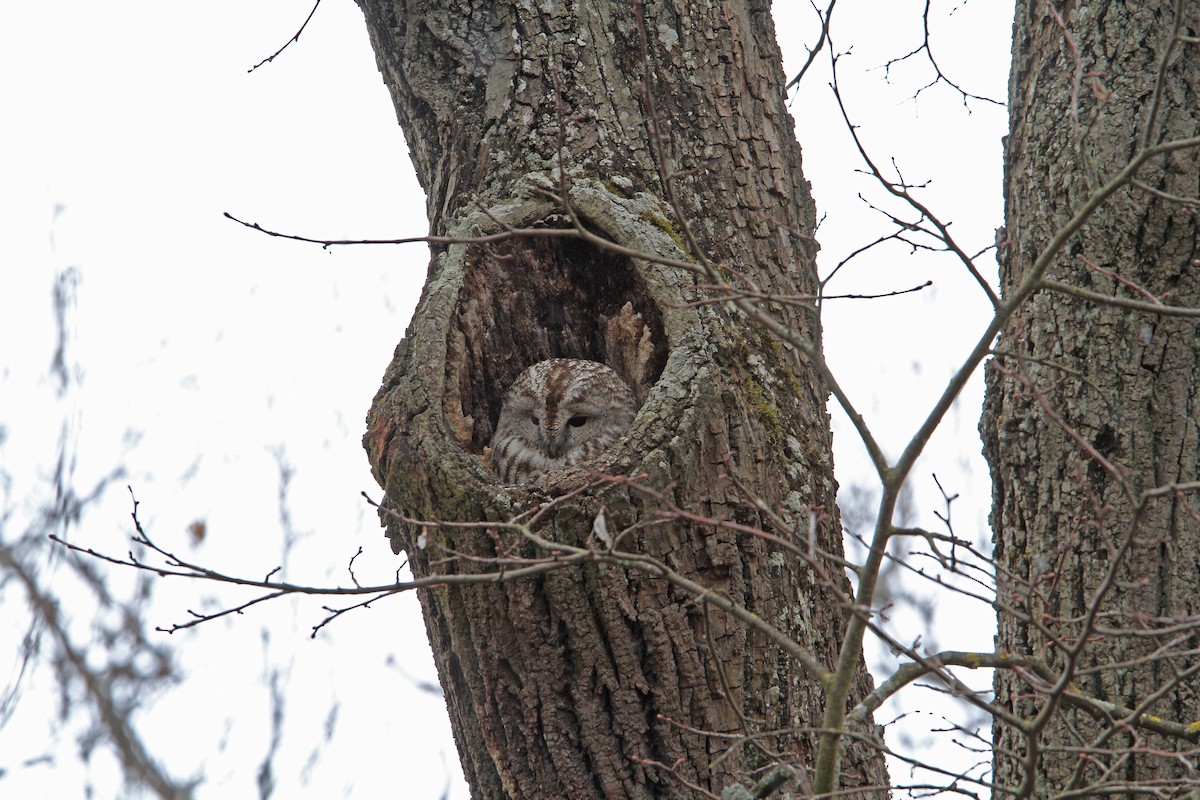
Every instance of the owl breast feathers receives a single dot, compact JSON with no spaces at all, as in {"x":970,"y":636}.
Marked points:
{"x":559,"y":412}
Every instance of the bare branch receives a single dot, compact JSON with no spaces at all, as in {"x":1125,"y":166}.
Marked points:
{"x":295,"y":38}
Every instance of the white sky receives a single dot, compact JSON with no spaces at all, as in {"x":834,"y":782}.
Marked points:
{"x":206,"y":349}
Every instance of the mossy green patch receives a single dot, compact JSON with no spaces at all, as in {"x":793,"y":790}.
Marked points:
{"x":765,"y":411}
{"x":664,"y":225}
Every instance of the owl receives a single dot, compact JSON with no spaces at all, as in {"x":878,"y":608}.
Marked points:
{"x":557,"y":413}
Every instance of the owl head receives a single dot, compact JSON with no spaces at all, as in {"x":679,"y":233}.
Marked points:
{"x":559,"y":412}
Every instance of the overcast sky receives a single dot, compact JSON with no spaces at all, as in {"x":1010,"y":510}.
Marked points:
{"x":213,"y":360}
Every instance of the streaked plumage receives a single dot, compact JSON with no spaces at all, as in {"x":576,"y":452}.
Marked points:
{"x":559,"y":412}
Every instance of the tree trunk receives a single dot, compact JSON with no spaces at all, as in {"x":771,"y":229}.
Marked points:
{"x":594,"y":680}
{"x":1091,"y":406}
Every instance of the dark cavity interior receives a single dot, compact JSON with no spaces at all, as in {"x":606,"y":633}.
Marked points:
{"x":526,"y":300}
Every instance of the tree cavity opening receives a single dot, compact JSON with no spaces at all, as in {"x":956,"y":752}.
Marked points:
{"x":526,"y":300}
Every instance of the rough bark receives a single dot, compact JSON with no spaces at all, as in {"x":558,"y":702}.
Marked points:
{"x":570,"y":683}
{"x":1124,"y":387}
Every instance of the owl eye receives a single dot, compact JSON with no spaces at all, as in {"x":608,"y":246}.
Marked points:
{"x":577,"y":421}
{"x":534,"y":419}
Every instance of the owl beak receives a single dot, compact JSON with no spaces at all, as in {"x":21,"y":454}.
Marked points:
{"x":556,"y":442}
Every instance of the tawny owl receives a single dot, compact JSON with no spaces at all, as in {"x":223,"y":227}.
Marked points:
{"x":557,"y":413}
